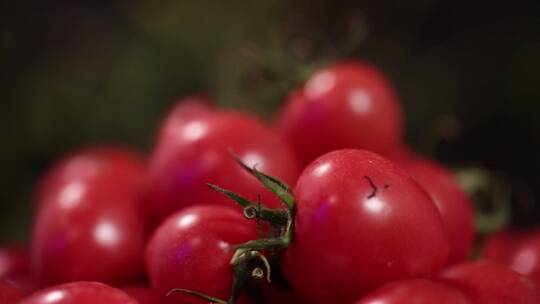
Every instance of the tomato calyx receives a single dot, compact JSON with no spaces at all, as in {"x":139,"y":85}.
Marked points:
{"x":248,"y":261}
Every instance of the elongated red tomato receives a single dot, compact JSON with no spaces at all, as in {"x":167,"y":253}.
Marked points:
{"x":415,"y":291}
{"x":453,"y":204}
{"x":348,"y":104}
{"x":192,"y":249}
{"x":79,"y":293}
{"x":193,"y":150}
{"x":487,"y":282}
{"x":91,"y":230}
{"x":361,"y":222}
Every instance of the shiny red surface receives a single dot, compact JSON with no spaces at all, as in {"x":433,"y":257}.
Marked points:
{"x":487,"y":282}
{"x":89,"y":230}
{"x":453,"y":204}
{"x":352,"y":236}
{"x":415,"y":291}
{"x":193,"y":150}
{"x":79,"y":293}
{"x":519,"y":250}
{"x":192,"y":249}
{"x":348,"y":104}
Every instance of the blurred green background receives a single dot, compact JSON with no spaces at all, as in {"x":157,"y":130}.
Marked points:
{"x":84,"y":72}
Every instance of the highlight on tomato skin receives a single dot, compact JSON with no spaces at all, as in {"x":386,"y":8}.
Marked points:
{"x":486,"y":282}
{"x":348,"y":104}
{"x":520,"y":250}
{"x":84,"y":220}
{"x":361,"y":222}
{"x":415,"y":291}
{"x":82,"y":292}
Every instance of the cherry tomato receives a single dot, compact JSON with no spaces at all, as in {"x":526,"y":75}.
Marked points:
{"x":145,"y":295}
{"x":519,"y":250}
{"x":488,"y":282}
{"x":348,"y":104}
{"x":453,"y":204}
{"x":192,"y":249}
{"x":194,"y":151}
{"x":89,"y":230}
{"x":121,"y":164}
{"x":415,"y":291}
{"x":79,"y":293}
{"x":361,"y":222}
{"x":9,"y":294}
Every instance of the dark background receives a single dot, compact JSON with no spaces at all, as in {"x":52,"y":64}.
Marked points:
{"x":74,"y":73}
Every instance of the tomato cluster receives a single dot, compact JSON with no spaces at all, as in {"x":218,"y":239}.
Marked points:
{"x":209,"y":214}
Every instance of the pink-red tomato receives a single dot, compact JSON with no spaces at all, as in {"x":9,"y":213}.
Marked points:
{"x":192,"y":151}
{"x":348,"y":104}
{"x":361,"y":222}
{"x":9,"y":294}
{"x":79,"y":293}
{"x":488,"y":282}
{"x":519,"y":250}
{"x":89,"y":230}
{"x":145,"y":294}
{"x":192,"y":249}
{"x":453,"y":204}
{"x":122,"y":164}
{"x":416,"y":291}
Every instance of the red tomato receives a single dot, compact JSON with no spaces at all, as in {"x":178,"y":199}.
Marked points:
{"x":121,"y":164}
{"x":194,"y":151}
{"x":361,"y":222}
{"x":453,"y":204}
{"x":415,"y":291}
{"x":488,"y":282}
{"x":519,"y":250}
{"x":349,"y":104}
{"x":192,"y":249}
{"x":13,"y":260}
{"x":500,"y":246}
{"x":89,"y":230}
{"x":9,"y":294}
{"x":15,"y":268}
{"x":79,"y":293}
{"x":145,"y":295}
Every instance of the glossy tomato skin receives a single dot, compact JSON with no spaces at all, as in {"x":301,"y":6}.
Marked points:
{"x":348,"y":104}
{"x":518,"y":249}
{"x":91,"y":230}
{"x":9,"y":294}
{"x":116,"y":162}
{"x":145,"y":294}
{"x":415,"y":291}
{"x":488,"y":282}
{"x":361,"y":222}
{"x":451,"y":201}
{"x":194,"y":151}
{"x":192,"y":249}
{"x":79,"y":293}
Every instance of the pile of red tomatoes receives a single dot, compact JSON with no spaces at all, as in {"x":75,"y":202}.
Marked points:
{"x":326,"y":204}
